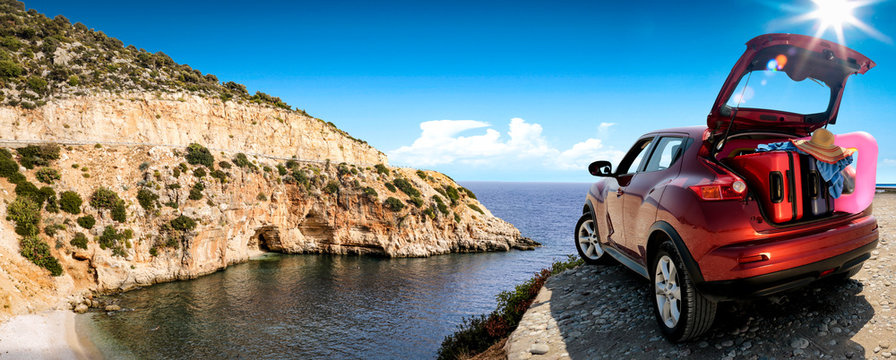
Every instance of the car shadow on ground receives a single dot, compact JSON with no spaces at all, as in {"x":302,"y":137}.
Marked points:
{"x":602,"y":311}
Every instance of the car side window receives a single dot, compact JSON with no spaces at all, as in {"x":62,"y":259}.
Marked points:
{"x":632,"y":161}
{"x":667,"y":150}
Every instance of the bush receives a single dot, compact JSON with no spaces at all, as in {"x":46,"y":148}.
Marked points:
{"x":476,"y":208}
{"x":79,"y":241}
{"x":8,"y":167}
{"x":242,"y":161}
{"x":144,"y":166}
{"x":183,"y":223}
{"x":220,"y":175}
{"x":452,"y":194}
{"x":261,"y":197}
{"x":199,"y":172}
{"x":382,"y":169}
{"x":224,"y":165}
{"x":9,"y":69}
{"x":147,"y":199}
{"x":119,"y":213}
{"x":38,"y":155}
{"x":405,"y":187}
{"x":441,"y":205}
{"x":104,"y":198}
{"x":196,"y":191}
{"x":199,"y":155}
{"x":281,"y":170}
{"x":478,"y":333}
{"x":51,"y":230}
{"x":47,"y":175}
{"x":469,"y":193}
{"x":390,"y":187}
{"x":26,"y":214}
{"x":112,"y":238}
{"x":70,"y":202}
{"x":371,"y":192}
{"x":5,"y":154}
{"x":29,"y":190}
{"x":416,"y":200}
{"x":422,"y":174}
{"x":394,"y":204}
{"x":37,"y":84}
{"x":87,"y":221}
{"x":32,"y":248}
{"x":456,"y":218}
{"x":332,"y":187}
{"x":16,"y":178}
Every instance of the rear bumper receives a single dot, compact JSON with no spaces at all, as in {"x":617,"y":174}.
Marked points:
{"x":788,"y":279}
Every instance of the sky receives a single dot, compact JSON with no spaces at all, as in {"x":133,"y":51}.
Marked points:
{"x":496,"y":90}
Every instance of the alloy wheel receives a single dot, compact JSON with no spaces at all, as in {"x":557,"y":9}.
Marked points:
{"x":668,"y":293}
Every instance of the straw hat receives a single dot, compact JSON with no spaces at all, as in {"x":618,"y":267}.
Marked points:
{"x":822,"y":147}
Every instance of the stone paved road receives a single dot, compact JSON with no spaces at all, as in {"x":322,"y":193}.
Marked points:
{"x":602,"y":312}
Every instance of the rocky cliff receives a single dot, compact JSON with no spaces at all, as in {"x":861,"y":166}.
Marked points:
{"x":183,"y":220}
{"x":178,"y":119}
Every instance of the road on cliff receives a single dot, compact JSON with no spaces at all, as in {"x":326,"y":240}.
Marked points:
{"x":602,"y":312}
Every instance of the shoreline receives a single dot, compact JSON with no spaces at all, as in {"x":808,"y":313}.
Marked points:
{"x":46,"y":335}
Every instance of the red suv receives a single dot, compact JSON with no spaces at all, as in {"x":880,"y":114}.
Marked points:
{"x":680,"y":213}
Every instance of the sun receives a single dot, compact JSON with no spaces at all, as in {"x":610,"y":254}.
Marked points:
{"x":837,"y":15}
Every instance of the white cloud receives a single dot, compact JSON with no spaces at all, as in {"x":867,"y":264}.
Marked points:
{"x":889,"y":162}
{"x":524,"y":146}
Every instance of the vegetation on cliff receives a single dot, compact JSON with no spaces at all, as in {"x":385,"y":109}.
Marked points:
{"x":43,"y":58}
{"x":478,"y":333}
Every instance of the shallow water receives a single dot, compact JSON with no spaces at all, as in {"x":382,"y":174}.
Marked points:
{"x":318,"y":306}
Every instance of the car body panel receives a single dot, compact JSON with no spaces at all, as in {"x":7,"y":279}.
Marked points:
{"x":827,"y":61}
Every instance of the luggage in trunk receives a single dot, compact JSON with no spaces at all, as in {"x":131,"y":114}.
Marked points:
{"x":776,"y":180}
{"x":816,"y":198}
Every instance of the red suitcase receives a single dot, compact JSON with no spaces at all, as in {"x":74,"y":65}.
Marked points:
{"x":776,"y":180}
{"x":818,"y":202}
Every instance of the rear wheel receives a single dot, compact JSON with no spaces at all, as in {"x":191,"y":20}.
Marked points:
{"x":588,"y":241}
{"x":681,"y":312}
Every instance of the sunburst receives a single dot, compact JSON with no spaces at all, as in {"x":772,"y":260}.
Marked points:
{"x":835,"y":15}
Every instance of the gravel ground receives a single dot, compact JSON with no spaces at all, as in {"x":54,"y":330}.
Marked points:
{"x":602,"y":312}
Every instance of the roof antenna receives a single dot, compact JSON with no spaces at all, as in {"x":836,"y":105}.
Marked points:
{"x":724,"y":139}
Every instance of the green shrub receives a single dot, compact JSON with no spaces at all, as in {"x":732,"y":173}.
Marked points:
{"x":476,"y":208}
{"x":144,"y":166}
{"x":183,"y":223}
{"x":299,"y":176}
{"x":242,"y":161}
{"x":176,"y":172}
{"x":422,"y":174}
{"x":390,"y":187}
{"x":37,"y":84}
{"x":332,"y":187}
{"x":224,"y":165}
{"x":220,"y":175}
{"x":199,"y":172}
{"x":51,"y":230}
{"x":452,"y":194}
{"x":199,"y":155}
{"x":38,"y":155}
{"x":104,"y":198}
{"x":9,"y":69}
{"x":117,"y":240}
{"x":70,"y":202}
{"x":196,"y":191}
{"x":441,"y":205}
{"x":119,"y":213}
{"x":416,"y":200}
{"x":173,"y":186}
{"x":371,"y":192}
{"x":79,"y":241}
{"x":469,"y":193}
{"x":406,"y":187}
{"x":47,"y":175}
{"x":456,"y":217}
{"x":381,"y":169}
{"x":261,"y":197}
{"x":430,"y":212}
{"x":26,"y":214}
{"x":5,"y":154}
{"x":281,"y":170}
{"x":394,"y":204}
{"x":153,"y":251}
{"x":292,"y":164}
{"x":478,"y":333}
{"x":147,"y":199}
{"x":32,"y":248}
{"x":16,"y":178}
{"x":8,"y":167}
{"x":87,"y":221}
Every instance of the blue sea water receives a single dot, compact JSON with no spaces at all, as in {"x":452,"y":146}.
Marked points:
{"x":343,"y":307}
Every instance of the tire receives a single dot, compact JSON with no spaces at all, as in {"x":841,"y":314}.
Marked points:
{"x":672,"y":291}
{"x":588,"y":241}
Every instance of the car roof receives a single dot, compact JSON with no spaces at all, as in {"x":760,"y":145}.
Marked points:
{"x":692,"y":131}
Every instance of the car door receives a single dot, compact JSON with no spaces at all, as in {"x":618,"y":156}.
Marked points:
{"x":641,"y":196}
{"x":615,"y":221}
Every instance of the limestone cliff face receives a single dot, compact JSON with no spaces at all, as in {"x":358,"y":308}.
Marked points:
{"x":181,"y":119}
{"x":267,"y":205}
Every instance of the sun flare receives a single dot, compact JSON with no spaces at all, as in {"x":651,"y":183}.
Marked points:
{"x":839,"y":14}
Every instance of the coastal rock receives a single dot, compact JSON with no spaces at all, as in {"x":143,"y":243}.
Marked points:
{"x":113,"y":308}
{"x":81,"y":308}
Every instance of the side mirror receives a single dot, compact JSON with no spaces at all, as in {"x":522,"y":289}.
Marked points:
{"x":601,"y":168}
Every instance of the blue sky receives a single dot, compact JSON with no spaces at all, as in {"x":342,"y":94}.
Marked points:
{"x":504,"y":90}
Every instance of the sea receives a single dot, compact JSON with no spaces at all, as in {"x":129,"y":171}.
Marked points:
{"x":340,"y":307}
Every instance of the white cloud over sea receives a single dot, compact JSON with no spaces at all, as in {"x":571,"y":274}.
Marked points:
{"x":441,"y":143}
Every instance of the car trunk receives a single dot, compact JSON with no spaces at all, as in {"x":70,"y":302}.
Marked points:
{"x":787,"y":187}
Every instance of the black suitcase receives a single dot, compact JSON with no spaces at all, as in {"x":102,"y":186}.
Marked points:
{"x":817,"y":201}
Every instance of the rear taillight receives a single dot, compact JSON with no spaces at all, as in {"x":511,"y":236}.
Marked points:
{"x":726,"y":185}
